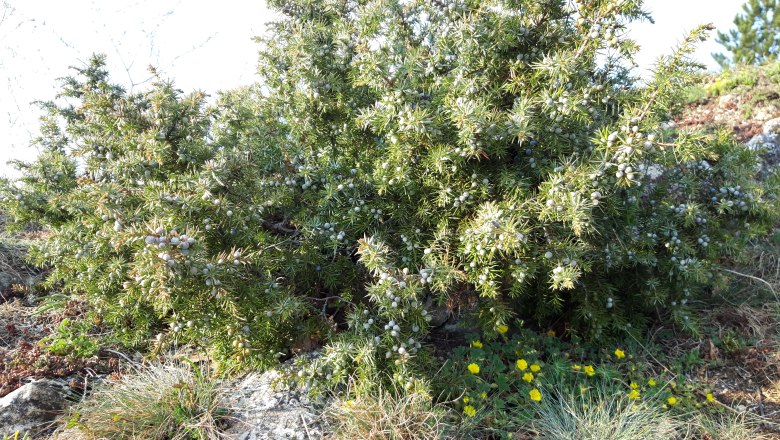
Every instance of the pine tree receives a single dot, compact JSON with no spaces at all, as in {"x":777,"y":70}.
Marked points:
{"x":756,"y":38}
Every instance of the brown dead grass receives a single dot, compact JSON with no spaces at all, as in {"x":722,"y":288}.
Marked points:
{"x":747,"y":378}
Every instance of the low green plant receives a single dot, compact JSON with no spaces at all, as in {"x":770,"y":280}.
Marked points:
{"x":172,"y":401}
{"x":500,"y":381}
{"x":773,"y":72}
{"x":52,"y":302}
{"x":747,"y":76}
{"x":72,"y":338}
{"x":731,"y":341}
{"x":694,"y":94}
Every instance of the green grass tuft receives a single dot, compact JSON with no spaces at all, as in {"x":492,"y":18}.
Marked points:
{"x":600,"y":416}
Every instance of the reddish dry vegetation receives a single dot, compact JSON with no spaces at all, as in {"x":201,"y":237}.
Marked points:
{"x":22,"y":358}
{"x":728,"y":111}
{"x":743,"y":111}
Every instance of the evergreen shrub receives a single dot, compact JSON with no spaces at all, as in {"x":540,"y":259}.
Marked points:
{"x":498,"y":157}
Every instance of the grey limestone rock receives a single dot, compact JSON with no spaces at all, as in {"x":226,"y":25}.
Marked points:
{"x":265,"y":408}
{"x":33,"y":407}
{"x":769,"y":146}
{"x":767,"y":141}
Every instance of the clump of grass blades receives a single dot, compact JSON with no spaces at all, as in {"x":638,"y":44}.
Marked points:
{"x":597,"y":415}
{"x":392,"y":414}
{"x":730,"y":426}
{"x":173,"y":401}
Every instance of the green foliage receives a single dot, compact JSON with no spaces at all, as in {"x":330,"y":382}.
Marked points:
{"x":755,"y":83}
{"x":485,"y":155}
{"x":773,"y":72}
{"x":756,"y":38}
{"x":160,"y":225}
{"x":694,"y":94}
{"x":72,"y":338}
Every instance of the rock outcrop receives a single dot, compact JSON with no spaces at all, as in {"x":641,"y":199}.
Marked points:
{"x":266,"y":408}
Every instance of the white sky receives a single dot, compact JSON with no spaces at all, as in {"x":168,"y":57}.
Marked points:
{"x":200,"y":44}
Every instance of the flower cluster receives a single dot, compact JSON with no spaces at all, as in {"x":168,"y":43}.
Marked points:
{"x":504,"y":380}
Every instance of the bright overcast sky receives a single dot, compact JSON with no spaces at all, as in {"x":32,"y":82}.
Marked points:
{"x":201,"y":44}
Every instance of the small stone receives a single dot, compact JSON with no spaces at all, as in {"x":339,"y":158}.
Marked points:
{"x":439,"y":314}
{"x":727,"y":100}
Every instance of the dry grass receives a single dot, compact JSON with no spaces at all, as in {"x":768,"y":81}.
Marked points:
{"x":13,"y":268}
{"x":759,"y":271}
{"x":16,"y":276}
{"x":173,"y":401}
{"x":386,"y":415}
{"x":768,"y":265}
{"x":729,"y":426}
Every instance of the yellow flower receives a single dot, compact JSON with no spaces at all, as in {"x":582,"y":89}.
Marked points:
{"x":535,"y":395}
{"x":473,"y":368}
{"x":535,"y":368}
{"x":469,"y":410}
{"x":502,"y":328}
{"x":483,"y":395}
{"x":620,"y":353}
{"x":476,"y":344}
{"x":634,"y":386}
{"x":589,"y":370}
{"x":634,"y":394}
{"x":528,"y":377}
{"x":522,"y":364}
{"x":551,"y":333}
{"x":710,"y":397}
{"x":466,"y":399}
{"x":651,"y":382}
{"x":671,"y":400}
{"x":576,"y":367}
